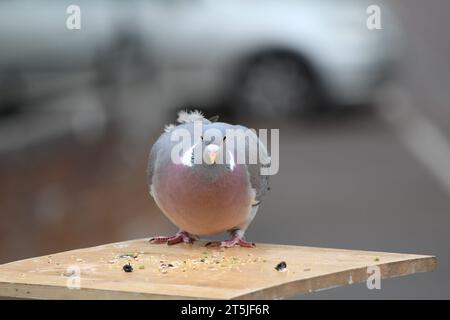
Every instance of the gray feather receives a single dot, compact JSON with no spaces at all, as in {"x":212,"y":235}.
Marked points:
{"x":258,"y":181}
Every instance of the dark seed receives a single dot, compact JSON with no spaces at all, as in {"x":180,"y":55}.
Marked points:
{"x":281,"y":266}
{"x":127,"y":268}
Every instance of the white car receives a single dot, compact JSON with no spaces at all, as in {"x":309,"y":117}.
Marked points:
{"x":267,"y":56}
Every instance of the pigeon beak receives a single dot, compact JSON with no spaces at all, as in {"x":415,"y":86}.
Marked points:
{"x":212,"y":156}
{"x":212,"y":151}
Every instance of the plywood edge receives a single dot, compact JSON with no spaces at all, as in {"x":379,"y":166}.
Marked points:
{"x":349,"y":276}
{"x":43,"y":292}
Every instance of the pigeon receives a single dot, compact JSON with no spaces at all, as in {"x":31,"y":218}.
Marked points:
{"x":208,"y":192}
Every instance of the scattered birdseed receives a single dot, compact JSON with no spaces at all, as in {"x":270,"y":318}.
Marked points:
{"x":281,"y":266}
{"x":307,"y":269}
{"x":79,"y":260}
{"x":377,"y":259}
{"x":127,"y":268}
{"x":141,"y":267}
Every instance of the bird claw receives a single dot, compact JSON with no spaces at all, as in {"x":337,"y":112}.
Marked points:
{"x":179,"y":237}
{"x":235,"y":241}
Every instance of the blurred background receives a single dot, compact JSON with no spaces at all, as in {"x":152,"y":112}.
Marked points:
{"x":363,"y":114}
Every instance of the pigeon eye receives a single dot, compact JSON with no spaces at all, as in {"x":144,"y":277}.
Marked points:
{"x":224,"y":138}
{"x":201,"y":137}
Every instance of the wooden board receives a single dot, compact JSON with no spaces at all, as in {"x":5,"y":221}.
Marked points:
{"x":193,"y":271}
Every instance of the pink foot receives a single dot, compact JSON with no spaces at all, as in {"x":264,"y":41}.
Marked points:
{"x":181,"y":236}
{"x":234,"y":241}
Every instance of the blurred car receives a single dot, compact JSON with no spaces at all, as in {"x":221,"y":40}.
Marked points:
{"x":264,"y":56}
{"x":40,"y":55}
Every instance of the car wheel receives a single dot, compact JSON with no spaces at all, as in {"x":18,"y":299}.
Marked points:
{"x":12,"y":92}
{"x":275,"y":87}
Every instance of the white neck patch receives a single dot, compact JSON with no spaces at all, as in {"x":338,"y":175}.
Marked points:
{"x":232,"y":162}
{"x":186,"y":159}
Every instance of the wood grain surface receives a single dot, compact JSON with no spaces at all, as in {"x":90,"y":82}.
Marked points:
{"x":195,"y":272}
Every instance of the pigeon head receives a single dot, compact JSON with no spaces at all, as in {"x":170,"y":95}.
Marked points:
{"x":208,"y":155}
{"x":212,"y":150}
